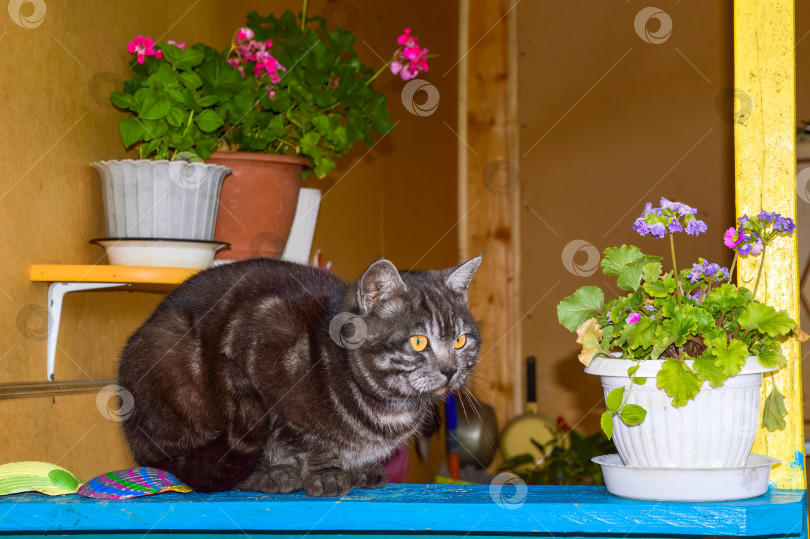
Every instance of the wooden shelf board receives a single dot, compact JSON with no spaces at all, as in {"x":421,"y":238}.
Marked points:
{"x":103,"y":273}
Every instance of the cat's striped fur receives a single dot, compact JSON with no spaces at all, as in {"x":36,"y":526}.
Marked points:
{"x":271,"y":376}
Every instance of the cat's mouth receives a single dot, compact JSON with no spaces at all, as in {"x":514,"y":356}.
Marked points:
{"x":443,"y":391}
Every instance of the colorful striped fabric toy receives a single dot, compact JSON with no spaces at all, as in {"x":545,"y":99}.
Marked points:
{"x":132,"y":483}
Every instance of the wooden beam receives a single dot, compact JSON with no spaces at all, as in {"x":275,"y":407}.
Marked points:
{"x":489,"y":191}
{"x":765,"y":170}
{"x":18,"y":390}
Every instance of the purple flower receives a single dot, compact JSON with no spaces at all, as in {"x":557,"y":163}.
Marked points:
{"x":766,"y":217}
{"x":649,"y":307}
{"x":679,"y":207}
{"x":743,"y":219}
{"x":633,"y":318}
{"x":697,"y":295}
{"x":750,"y":245}
{"x":641,"y":227}
{"x":608,"y":317}
{"x":695,"y":227}
{"x":658,"y":230}
{"x":724,"y":274}
{"x":783,"y":224}
{"x":695,"y":274}
{"x":675,"y":225}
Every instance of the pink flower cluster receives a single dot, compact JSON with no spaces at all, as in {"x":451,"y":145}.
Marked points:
{"x":249,"y":50}
{"x":410,"y":59}
{"x":142,"y":47}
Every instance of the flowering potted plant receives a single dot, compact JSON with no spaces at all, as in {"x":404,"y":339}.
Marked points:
{"x":306,"y":98}
{"x":164,"y":195}
{"x":689,"y":347}
{"x":287,"y":97}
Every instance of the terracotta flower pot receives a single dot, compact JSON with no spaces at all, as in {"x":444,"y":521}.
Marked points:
{"x":257,"y":203}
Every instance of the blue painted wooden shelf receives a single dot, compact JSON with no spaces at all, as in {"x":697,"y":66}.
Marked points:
{"x":397,"y":509}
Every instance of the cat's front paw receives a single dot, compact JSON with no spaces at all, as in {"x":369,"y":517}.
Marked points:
{"x":328,"y":482}
{"x":374,"y":477}
{"x":273,"y":480}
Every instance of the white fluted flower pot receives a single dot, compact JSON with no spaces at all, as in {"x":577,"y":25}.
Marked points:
{"x":160,"y":199}
{"x":715,"y":430}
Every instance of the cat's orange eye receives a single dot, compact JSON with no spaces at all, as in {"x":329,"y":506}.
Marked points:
{"x":419,"y":342}
{"x":460,"y":342}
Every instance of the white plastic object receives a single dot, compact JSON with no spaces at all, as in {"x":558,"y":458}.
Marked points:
{"x":299,"y":243}
{"x":687,"y":484}
{"x":715,"y":430}
{"x":160,"y":199}
{"x":56,"y":295}
{"x":162,"y":253}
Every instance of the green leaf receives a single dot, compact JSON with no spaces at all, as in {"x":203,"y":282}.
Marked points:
{"x":607,"y":424}
{"x":730,"y":356}
{"x":132,"y":131}
{"x":640,"y":380}
{"x":725,"y":298}
{"x":772,"y":358}
{"x":651,"y":272}
{"x":679,"y":381}
{"x":774,"y":411}
{"x":707,"y":369}
{"x":122,"y":101}
{"x":208,"y":121}
{"x":190,"y":80}
{"x":615,"y":258}
{"x":640,"y":334}
{"x":630,"y":276}
{"x":207,"y":101}
{"x":633,"y":414}
{"x":766,"y":319}
{"x":614,"y":399}
{"x":186,"y":59}
{"x":583,"y":304}
{"x":156,"y":108}
{"x":309,"y":142}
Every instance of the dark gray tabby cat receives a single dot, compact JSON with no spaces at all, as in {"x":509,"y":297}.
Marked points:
{"x":269,"y":376}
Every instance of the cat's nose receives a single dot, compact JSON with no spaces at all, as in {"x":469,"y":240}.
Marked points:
{"x":449,"y":372}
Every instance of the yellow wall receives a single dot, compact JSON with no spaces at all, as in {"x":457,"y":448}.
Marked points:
{"x":609,"y":122}
{"x":398,"y":201}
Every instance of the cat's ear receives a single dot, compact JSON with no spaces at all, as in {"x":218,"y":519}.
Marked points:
{"x":458,"y":278}
{"x":380,"y":281}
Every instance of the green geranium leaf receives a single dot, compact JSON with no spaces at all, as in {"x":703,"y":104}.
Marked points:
{"x":583,"y":304}
{"x":155,"y":108}
{"x":208,"y":121}
{"x":633,"y":414}
{"x":730,"y":356}
{"x":614,"y":399}
{"x":132,"y":131}
{"x":707,"y":369}
{"x":190,"y":80}
{"x":660,"y":289}
{"x":122,"y":101}
{"x":766,"y":319}
{"x":640,"y":334}
{"x":774,"y":411}
{"x":606,"y":422}
{"x":679,"y":381}
{"x":615,"y":258}
{"x":186,"y":59}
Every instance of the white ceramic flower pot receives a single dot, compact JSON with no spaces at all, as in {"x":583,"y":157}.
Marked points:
{"x":299,"y":244}
{"x":160,"y":199}
{"x":715,"y":430}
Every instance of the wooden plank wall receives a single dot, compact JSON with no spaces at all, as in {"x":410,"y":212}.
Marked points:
{"x":489,"y":192}
{"x":765,"y":166}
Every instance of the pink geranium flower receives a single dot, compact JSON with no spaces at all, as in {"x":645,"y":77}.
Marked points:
{"x":179,"y":45}
{"x":411,"y":59}
{"x":141,"y":47}
{"x":244,"y":34}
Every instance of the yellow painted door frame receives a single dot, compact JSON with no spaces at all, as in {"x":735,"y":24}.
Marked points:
{"x":765,"y":178}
